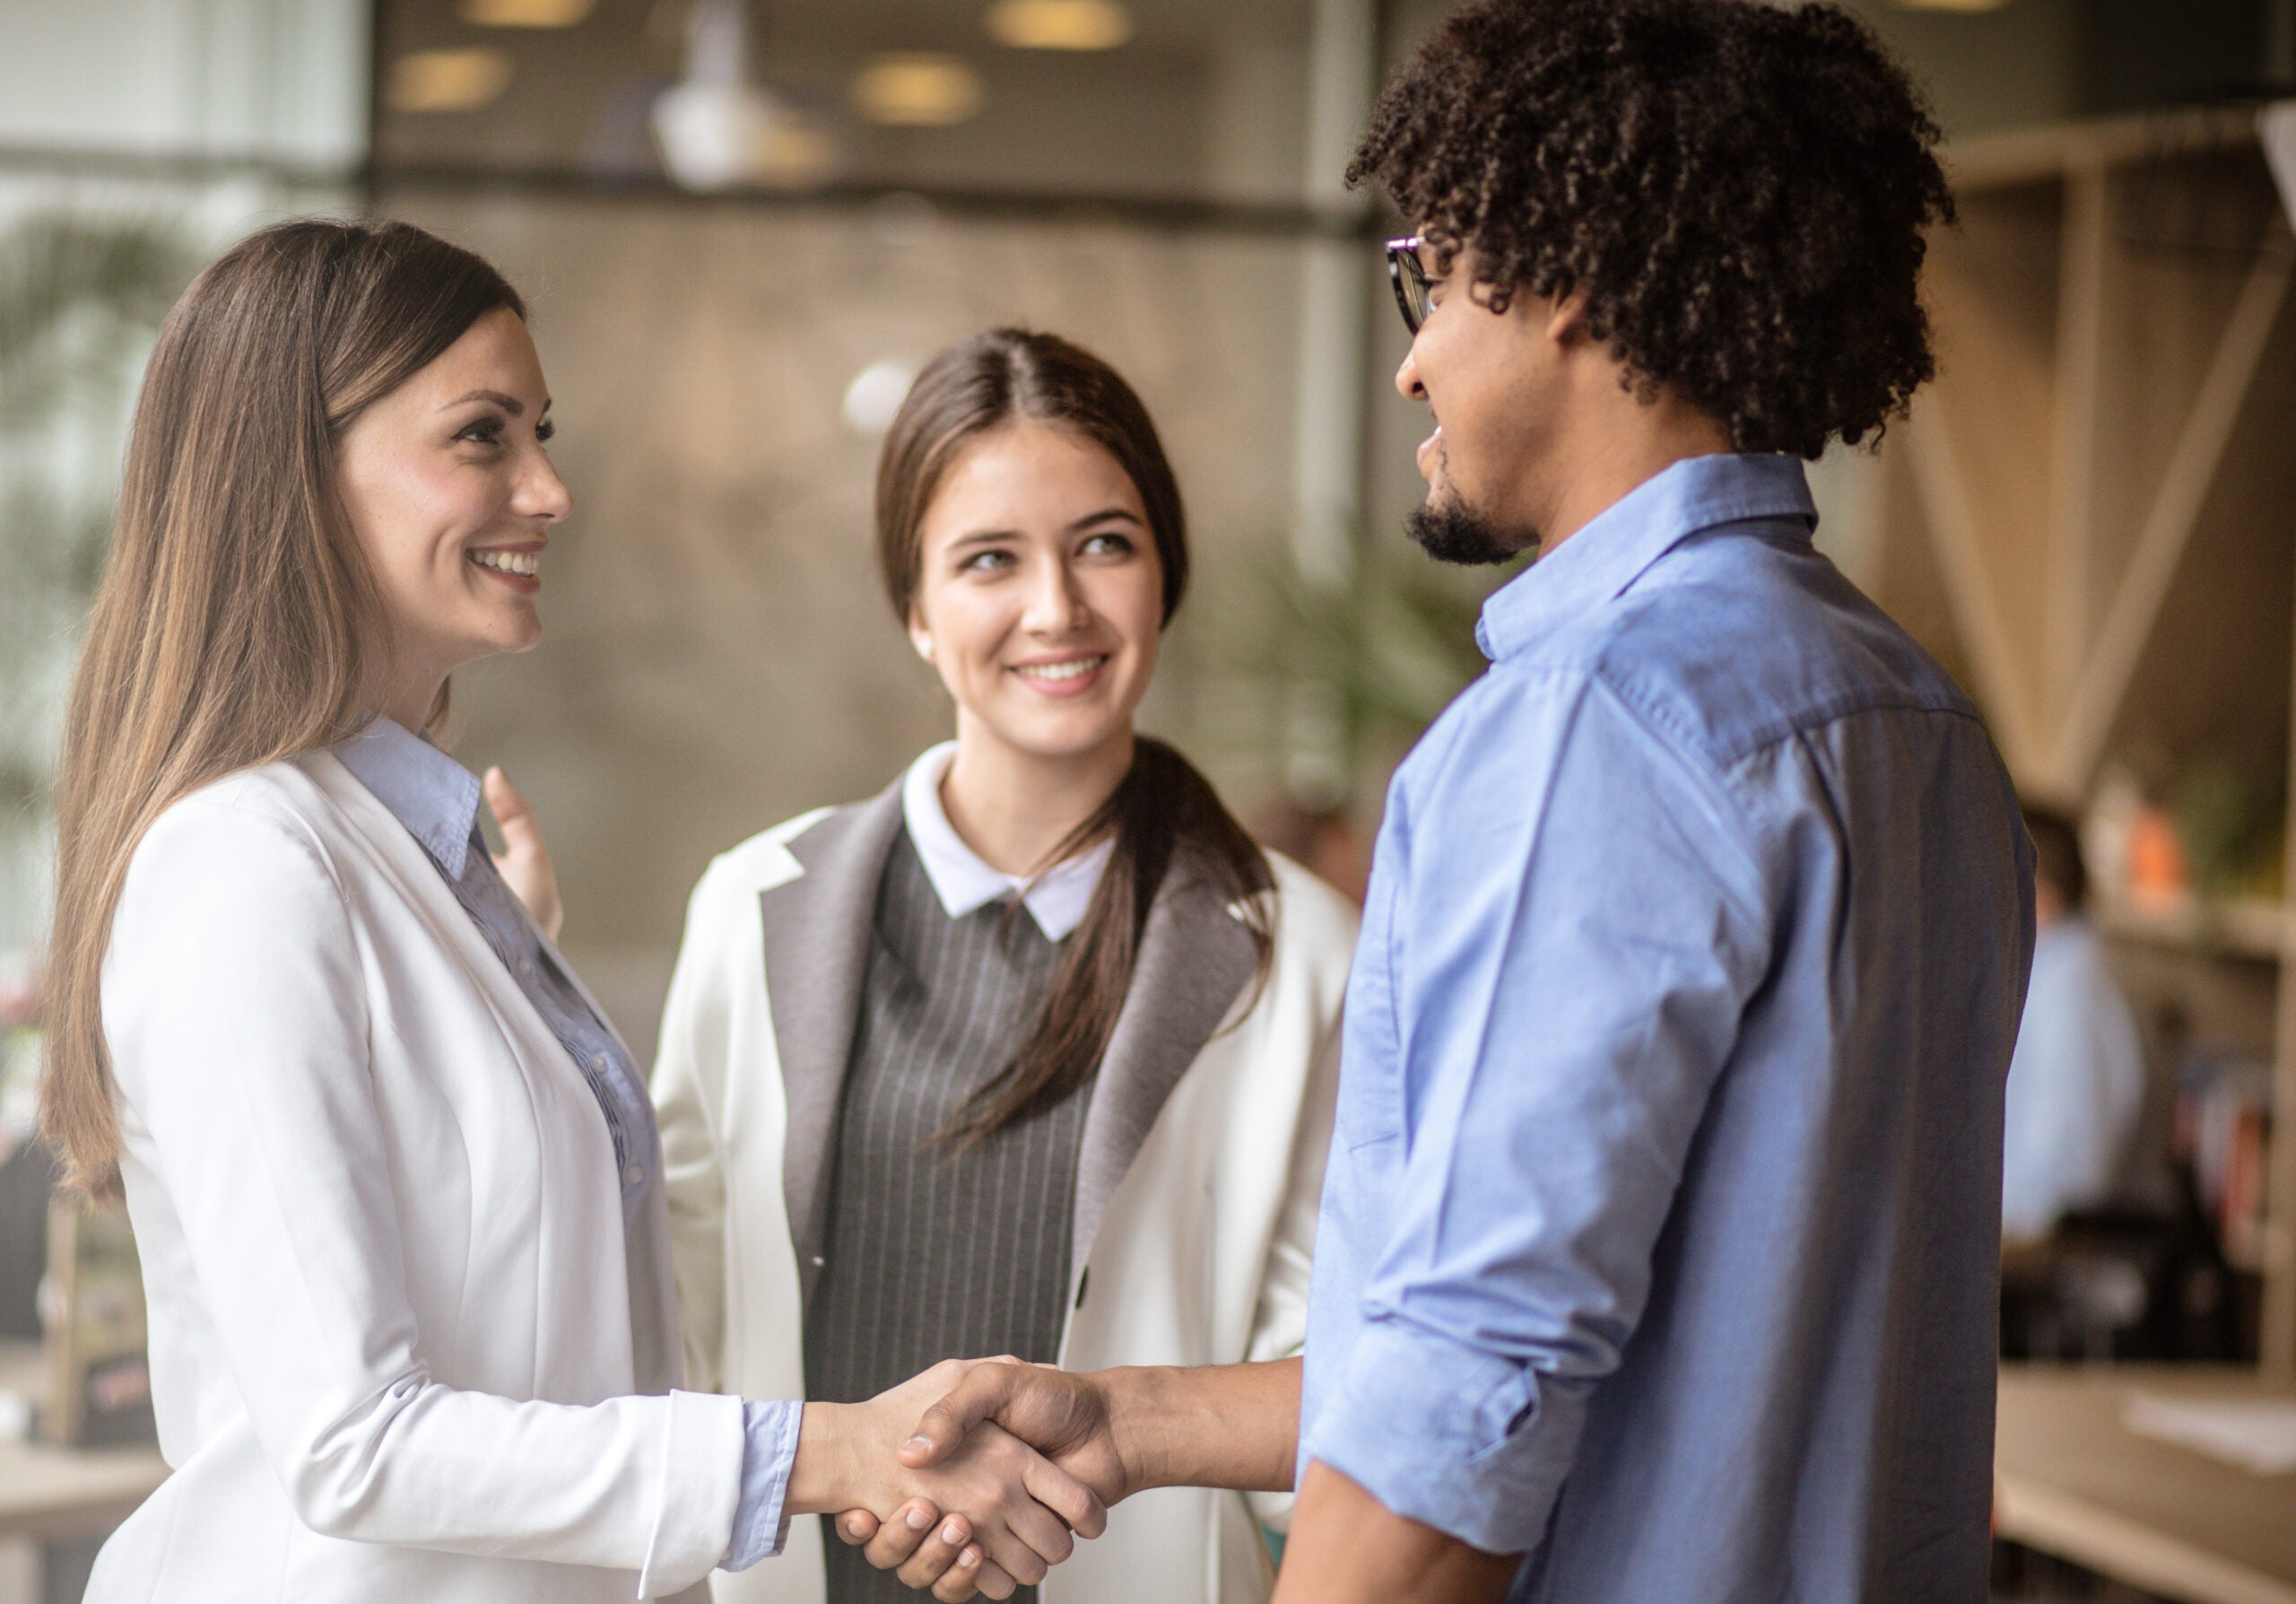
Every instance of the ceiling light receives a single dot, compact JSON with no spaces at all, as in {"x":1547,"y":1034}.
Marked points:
{"x":874,"y":399}
{"x":526,"y":13}
{"x":1058,"y":24}
{"x":447,"y":80}
{"x":916,"y":89}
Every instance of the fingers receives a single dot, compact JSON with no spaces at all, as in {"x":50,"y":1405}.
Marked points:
{"x":524,"y":863}
{"x":984,"y":1574}
{"x":942,"y":1555}
{"x":856,"y":1527}
{"x":906,"y":1535}
{"x":1074,"y":1504}
{"x":985,"y":1389}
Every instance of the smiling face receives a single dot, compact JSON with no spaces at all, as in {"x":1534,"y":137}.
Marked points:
{"x":1496,"y":383}
{"x":451,"y":495}
{"x":1040,"y":595}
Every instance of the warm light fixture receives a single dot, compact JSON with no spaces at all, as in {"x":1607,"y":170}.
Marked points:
{"x":447,"y":80}
{"x":1958,"y":5}
{"x":1058,"y":24}
{"x":526,"y":13}
{"x":914,"y":89}
{"x":874,"y":399}
{"x":716,"y":129}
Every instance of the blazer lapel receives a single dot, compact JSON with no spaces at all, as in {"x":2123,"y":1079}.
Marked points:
{"x":817,"y":930}
{"x":1194,"y":959}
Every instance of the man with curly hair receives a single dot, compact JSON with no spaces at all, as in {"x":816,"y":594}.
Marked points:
{"x":1660,"y":1232}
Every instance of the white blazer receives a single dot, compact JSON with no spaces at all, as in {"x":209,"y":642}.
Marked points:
{"x":1197,"y":1183}
{"x":397,"y":1330}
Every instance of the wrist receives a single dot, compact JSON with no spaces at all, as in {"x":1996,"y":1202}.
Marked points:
{"x":1145,"y":1429}
{"x":822,"y":1479}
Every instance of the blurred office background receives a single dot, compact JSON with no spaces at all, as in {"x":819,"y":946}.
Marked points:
{"x":742,"y":223}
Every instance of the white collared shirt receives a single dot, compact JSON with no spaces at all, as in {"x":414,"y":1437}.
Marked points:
{"x":1056,"y":899}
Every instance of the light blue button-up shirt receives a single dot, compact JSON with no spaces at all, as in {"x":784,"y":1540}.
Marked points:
{"x":437,"y":799}
{"x":1660,"y":1230}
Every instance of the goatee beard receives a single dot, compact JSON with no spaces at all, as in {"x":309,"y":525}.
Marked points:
{"x":1451,"y":531}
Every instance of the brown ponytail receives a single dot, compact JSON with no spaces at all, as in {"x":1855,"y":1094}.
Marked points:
{"x":1162,"y":811}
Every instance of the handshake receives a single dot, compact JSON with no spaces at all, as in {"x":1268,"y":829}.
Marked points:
{"x":972,"y":1478}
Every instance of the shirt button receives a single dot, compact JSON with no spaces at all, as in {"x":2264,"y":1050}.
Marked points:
{"x":597,"y":1060}
{"x":633,"y":1176}
{"x":525,"y":966}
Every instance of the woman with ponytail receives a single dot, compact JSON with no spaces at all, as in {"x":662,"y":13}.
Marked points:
{"x":395,"y":1181}
{"x":1032,"y":1052}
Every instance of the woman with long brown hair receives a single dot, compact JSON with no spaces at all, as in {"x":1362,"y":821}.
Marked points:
{"x":1033,"y":1052}
{"x":395,"y":1181}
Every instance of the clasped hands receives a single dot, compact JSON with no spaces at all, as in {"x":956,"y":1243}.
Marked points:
{"x":996,"y":1466}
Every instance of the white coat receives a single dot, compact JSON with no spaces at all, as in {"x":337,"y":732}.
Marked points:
{"x":1197,"y":1180}
{"x":398,"y":1332}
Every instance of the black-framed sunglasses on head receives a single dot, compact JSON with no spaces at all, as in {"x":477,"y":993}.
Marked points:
{"x":1408,"y":273}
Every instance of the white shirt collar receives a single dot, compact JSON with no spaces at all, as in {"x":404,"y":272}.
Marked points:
{"x":1057,"y":898}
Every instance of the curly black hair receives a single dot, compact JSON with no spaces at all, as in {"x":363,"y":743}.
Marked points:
{"x":1740,"y":190}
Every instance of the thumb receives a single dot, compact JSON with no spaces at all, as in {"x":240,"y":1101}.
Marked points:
{"x":985,"y":1389}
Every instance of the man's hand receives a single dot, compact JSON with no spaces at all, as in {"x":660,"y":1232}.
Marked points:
{"x":1019,"y":1506}
{"x":524,"y":863}
{"x":1065,"y":1417}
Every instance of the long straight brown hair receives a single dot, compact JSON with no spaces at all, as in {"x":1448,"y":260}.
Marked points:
{"x":237,"y":621}
{"x":1162,"y":809}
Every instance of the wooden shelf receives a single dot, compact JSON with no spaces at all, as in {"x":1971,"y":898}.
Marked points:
{"x":2085,"y":519}
{"x":54,"y":1494}
{"x":2245,"y":929}
{"x":2070,"y":1479}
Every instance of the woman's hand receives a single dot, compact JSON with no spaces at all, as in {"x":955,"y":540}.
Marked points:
{"x":524,"y":863}
{"x":1021,"y":1507}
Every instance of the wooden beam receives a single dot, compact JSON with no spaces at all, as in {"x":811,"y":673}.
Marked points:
{"x":2167,"y":525}
{"x":2277,"y":1343}
{"x":1951,"y":518}
{"x":2045,"y":154}
{"x":2073,"y":449}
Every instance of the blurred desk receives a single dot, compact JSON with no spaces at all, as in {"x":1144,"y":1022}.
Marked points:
{"x":2070,"y":1479}
{"x":54,"y":1494}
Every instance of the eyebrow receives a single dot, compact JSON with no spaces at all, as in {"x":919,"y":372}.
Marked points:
{"x":989,"y":537}
{"x":509,"y":403}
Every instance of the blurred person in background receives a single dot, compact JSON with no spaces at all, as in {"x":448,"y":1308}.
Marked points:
{"x":1033,"y":1052}
{"x":394,"y":1178}
{"x":2075,"y":1093}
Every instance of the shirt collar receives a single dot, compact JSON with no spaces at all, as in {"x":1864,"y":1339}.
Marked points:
{"x":429,"y":792}
{"x":1056,"y":899}
{"x":1601,"y":561}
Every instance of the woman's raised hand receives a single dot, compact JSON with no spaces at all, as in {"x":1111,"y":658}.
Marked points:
{"x":524,"y":863}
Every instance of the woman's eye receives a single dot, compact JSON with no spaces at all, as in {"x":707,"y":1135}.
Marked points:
{"x":1107,"y":546}
{"x":486,"y":432}
{"x":985,"y":562}
{"x":546,"y":431}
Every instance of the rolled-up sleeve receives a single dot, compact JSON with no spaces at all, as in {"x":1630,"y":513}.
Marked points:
{"x":1575,"y":935}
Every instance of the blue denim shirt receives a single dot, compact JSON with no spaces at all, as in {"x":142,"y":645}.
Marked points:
{"x":437,"y":799}
{"x":1660,"y":1230}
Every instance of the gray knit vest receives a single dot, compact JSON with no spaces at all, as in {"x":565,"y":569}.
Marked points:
{"x":933,"y":1253}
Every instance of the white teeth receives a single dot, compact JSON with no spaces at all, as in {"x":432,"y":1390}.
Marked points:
{"x":1077,"y":669}
{"x":526,"y":562}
